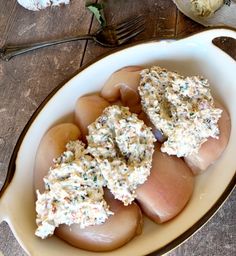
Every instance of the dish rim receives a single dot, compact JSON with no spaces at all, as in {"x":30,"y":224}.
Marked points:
{"x":191,"y":230}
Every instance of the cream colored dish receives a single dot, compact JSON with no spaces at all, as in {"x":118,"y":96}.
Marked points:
{"x":190,"y":56}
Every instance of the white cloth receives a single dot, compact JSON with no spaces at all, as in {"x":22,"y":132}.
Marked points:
{"x":36,"y":5}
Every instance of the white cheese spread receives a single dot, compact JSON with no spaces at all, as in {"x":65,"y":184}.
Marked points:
{"x":123,"y":145}
{"x":73,"y":192}
{"x":182,"y":108}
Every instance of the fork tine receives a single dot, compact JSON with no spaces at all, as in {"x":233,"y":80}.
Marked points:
{"x":128,"y":22}
{"x":130,"y":25}
{"x":125,"y":39}
{"x":130,"y":31}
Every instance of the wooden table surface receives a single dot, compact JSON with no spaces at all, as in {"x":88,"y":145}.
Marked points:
{"x":27,"y":79}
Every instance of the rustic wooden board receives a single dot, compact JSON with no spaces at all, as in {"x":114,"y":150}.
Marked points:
{"x":27,"y":79}
{"x":7,"y":16}
{"x":160,"y":17}
{"x":185,"y":26}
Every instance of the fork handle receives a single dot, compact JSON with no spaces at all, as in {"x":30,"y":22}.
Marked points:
{"x":9,"y":51}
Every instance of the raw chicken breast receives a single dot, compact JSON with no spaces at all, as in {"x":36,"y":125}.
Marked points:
{"x":212,"y":149}
{"x":167,"y":189}
{"x":51,"y":146}
{"x":123,"y":84}
{"x":88,"y":109}
{"x":115,"y":232}
{"x":118,"y":229}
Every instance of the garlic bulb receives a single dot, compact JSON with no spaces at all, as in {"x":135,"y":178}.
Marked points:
{"x":206,"y":8}
{"x":225,"y":16}
{"x":36,"y":5}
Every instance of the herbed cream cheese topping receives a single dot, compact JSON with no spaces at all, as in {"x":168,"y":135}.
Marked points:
{"x":73,"y":192}
{"x":182,"y":108}
{"x":123,"y":145}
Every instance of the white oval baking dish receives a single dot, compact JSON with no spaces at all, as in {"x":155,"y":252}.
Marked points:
{"x":194,"y":55}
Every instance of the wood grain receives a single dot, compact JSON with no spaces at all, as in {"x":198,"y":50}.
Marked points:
{"x":26,"y":80}
{"x":185,"y":26}
{"x":7,"y":16}
{"x":160,"y":17}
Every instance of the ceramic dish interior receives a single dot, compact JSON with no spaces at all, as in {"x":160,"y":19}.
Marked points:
{"x":189,"y":56}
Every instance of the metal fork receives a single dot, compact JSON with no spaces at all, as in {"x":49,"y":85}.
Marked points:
{"x":109,"y":36}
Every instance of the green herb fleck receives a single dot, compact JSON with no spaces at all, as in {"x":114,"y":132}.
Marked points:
{"x":85,"y":176}
{"x":97,"y":10}
{"x":227,"y":2}
{"x":95,"y":179}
